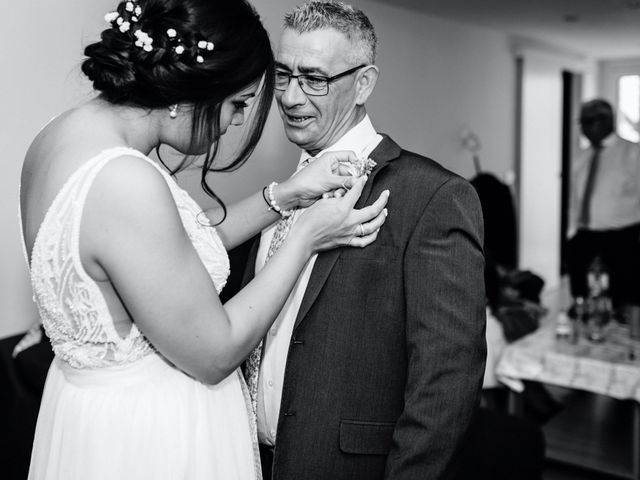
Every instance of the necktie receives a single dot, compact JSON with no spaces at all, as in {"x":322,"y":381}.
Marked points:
{"x":585,"y":206}
{"x":252,"y":371}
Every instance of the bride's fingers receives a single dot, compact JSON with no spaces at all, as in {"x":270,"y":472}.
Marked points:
{"x":352,"y":196}
{"x":371,"y":211}
{"x":337,"y":182}
{"x":363,"y":241}
{"x":367,"y":228}
{"x":344,"y":169}
{"x":337,"y":159}
{"x":365,"y":233}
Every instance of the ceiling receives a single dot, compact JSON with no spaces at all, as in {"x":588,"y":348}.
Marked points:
{"x":600,"y":29}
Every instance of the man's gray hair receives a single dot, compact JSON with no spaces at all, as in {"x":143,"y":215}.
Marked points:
{"x":318,"y":15}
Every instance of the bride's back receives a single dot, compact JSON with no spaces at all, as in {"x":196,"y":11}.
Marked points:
{"x":61,"y":148}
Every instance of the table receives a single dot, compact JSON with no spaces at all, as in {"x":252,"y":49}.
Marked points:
{"x":603,"y":382}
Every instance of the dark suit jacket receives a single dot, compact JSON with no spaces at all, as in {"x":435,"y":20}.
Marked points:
{"x":387,"y":356}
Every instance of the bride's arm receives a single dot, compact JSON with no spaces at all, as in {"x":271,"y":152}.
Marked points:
{"x":249,"y":216}
{"x":132,"y":230}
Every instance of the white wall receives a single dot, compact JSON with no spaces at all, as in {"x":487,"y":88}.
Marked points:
{"x":539,"y":220}
{"x":541,"y":161}
{"x":610,"y":71}
{"x":437,"y":79}
{"x":41,"y":48}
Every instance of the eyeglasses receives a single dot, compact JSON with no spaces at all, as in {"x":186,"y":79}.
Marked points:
{"x":314,"y":85}
{"x":594,"y":119}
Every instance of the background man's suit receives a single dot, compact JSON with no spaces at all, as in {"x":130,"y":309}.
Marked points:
{"x":386,"y":360}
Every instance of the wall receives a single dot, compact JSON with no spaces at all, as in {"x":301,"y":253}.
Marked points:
{"x":611,"y":71}
{"x":438,"y":78}
{"x":540,"y":154}
{"x":41,"y":47}
{"x":539,"y":220}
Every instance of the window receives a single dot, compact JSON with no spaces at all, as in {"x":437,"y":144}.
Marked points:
{"x":628,"y":108}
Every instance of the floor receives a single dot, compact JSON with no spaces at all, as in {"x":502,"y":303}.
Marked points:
{"x":581,"y":425}
{"x":559,"y":471}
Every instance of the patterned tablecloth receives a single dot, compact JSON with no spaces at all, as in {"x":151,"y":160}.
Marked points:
{"x":610,"y":368}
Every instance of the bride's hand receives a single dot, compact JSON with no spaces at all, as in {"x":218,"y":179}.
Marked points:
{"x":333,"y":222}
{"x":326,"y":173}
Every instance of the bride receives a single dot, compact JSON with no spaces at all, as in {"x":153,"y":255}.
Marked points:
{"x":126,"y":267}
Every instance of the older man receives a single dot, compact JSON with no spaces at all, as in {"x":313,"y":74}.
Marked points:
{"x":605,"y":208}
{"x":374,"y":366}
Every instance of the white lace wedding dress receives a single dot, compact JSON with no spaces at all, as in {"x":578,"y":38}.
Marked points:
{"x":114,"y":408}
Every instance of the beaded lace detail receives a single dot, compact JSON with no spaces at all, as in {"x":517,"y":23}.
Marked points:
{"x":72,"y":308}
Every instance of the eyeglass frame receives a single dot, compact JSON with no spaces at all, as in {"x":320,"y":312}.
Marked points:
{"x":598,"y":118}
{"x":328,"y":80}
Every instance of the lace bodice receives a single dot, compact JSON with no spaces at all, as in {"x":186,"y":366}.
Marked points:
{"x":71,"y":305}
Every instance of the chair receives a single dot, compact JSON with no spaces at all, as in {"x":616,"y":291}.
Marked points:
{"x":21,"y":384}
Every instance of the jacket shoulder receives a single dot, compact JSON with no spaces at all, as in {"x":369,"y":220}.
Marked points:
{"x":426,"y":171}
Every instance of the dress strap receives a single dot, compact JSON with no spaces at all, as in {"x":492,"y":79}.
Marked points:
{"x":81,"y":182}
{"x":70,"y":199}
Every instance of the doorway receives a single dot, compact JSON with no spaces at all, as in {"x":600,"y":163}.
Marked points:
{"x":571,"y":95}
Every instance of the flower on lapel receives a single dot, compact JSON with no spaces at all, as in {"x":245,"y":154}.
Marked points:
{"x":361,"y":166}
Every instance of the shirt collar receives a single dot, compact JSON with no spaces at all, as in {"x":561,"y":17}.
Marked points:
{"x":609,"y":140}
{"x":361,"y":139}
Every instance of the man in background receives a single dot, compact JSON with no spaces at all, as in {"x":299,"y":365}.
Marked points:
{"x":604,"y":215}
{"x":374,"y":367}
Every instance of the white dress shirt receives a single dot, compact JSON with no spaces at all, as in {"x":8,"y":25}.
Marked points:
{"x":615,"y":201}
{"x":361,"y":139}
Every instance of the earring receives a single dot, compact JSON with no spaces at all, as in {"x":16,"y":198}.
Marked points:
{"x":173,"y":110}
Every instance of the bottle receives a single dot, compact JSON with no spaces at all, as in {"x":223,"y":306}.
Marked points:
{"x":598,"y":302}
{"x":578,"y":319}
{"x":564,"y":328}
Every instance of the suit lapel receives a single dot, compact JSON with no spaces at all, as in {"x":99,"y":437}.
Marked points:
{"x":386,"y":151}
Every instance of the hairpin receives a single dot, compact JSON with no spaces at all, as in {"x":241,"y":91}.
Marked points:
{"x":203,"y":45}
{"x":178,"y":48}
{"x":143,"y":41}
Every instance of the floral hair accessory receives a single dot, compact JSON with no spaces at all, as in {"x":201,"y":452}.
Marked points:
{"x":127,"y":20}
{"x":203,"y":45}
{"x":172,"y":35}
{"x":111,"y":16}
{"x":123,"y":25}
{"x":143,"y":41}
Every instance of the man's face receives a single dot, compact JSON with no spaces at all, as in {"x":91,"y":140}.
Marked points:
{"x":596,"y":122}
{"x":316,"y":122}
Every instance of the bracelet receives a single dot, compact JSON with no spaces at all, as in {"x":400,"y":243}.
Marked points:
{"x":273,"y":204}
{"x":264,"y":197}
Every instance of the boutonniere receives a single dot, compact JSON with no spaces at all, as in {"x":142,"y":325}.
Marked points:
{"x":361,"y":166}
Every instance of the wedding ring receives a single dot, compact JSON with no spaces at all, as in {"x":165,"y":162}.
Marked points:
{"x":361,"y":230}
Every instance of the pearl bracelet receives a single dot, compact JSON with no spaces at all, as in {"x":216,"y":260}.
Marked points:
{"x":274,"y":205}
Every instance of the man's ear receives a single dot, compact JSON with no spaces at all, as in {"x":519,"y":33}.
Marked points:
{"x":367,"y":78}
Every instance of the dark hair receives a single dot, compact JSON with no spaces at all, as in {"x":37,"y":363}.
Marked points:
{"x":597,"y":104}
{"x":127,"y":74}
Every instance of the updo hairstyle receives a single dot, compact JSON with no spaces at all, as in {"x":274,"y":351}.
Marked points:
{"x":177,"y":67}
